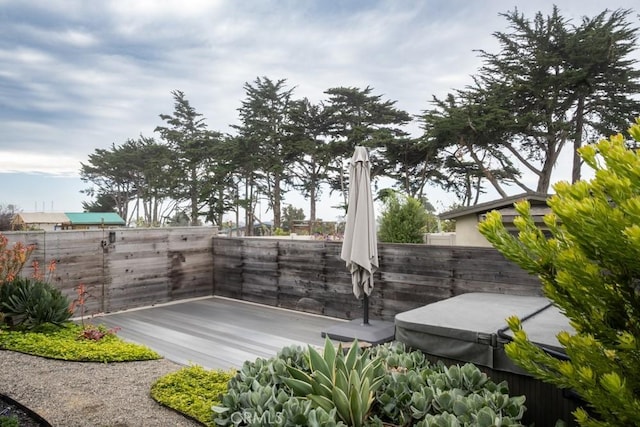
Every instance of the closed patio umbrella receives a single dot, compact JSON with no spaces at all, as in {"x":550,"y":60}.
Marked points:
{"x":360,"y":246}
{"x":360,"y":252}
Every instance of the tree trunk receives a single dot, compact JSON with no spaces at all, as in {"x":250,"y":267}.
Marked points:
{"x":237,"y":210}
{"x":220,"y":211}
{"x":544,"y":179}
{"x":277,"y":214}
{"x":467,"y":190}
{"x":248,"y":209}
{"x":312,"y":203}
{"x":577,"y":140}
{"x":343,"y":188}
{"x":193,"y":192}
{"x":156,"y":220}
{"x":487,"y":173}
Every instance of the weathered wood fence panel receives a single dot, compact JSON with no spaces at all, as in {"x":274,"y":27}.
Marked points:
{"x":227,"y":267}
{"x":139,"y":264}
{"x":310,"y":276}
{"x":412,"y":276}
{"x":139,"y":267}
{"x":78,"y":258}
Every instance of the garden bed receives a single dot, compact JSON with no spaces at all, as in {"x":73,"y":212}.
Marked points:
{"x":80,"y":394}
{"x":24,"y":416}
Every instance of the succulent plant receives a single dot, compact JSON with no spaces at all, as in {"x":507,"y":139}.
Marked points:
{"x":380,"y":386}
{"x":32,"y":303}
{"x":344,"y":382}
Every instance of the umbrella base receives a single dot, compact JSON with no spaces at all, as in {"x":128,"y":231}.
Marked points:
{"x":375,"y":332}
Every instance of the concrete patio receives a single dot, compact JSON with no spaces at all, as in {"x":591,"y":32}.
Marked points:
{"x":217,"y":332}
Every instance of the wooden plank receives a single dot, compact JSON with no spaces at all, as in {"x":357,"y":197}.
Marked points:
{"x":218,"y":333}
{"x":464,"y":286}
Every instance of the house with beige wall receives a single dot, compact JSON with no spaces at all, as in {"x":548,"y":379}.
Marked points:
{"x":51,"y":221}
{"x":468,"y":218}
{"x":47,"y":221}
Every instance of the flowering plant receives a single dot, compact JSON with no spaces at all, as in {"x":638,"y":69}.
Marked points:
{"x":12,"y":259}
{"x":96,"y":333}
{"x":39,"y":275}
{"x":79,"y":302}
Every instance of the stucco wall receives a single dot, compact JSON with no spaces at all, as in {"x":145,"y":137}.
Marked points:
{"x":467,"y":233}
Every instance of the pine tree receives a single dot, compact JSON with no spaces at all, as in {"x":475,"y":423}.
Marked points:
{"x":589,"y":269}
{"x":193,"y":146}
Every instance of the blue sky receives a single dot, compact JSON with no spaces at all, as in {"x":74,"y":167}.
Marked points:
{"x":81,"y":75}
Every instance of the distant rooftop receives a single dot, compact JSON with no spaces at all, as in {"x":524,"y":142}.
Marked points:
{"x":43,"y":217}
{"x":507,"y":202}
{"x":92,"y":218}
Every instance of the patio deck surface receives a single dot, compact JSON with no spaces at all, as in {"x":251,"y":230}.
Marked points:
{"x":216,"y":332}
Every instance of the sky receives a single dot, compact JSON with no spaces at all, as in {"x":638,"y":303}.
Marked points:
{"x":81,"y":75}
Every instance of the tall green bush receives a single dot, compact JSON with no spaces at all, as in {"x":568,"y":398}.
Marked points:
{"x":403,"y":220}
{"x":589,"y":269}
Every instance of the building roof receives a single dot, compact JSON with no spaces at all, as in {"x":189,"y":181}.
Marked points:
{"x":94,"y":218}
{"x":507,"y":202}
{"x":42,"y":217}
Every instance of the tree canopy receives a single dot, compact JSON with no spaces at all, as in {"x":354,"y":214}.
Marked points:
{"x":552,"y":85}
{"x":192,"y":145}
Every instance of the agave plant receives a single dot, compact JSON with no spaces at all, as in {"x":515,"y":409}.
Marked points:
{"x":342,"y":382}
{"x":31,"y":303}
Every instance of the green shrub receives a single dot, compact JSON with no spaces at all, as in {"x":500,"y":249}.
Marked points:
{"x":403,"y":221}
{"x":192,"y":391}
{"x":589,"y":269}
{"x":65,"y":342}
{"x":307,"y":387}
{"x":9,"y":421}
{"x":31,"y":303}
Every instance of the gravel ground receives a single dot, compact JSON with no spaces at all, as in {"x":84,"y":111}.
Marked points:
{"x":78,"y":394}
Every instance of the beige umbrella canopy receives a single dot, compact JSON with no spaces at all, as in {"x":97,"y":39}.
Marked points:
{"x":360,"y":245}
{"x":360,"y":252}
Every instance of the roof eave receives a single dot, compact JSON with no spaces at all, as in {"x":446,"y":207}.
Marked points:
{"x":493,"y":205}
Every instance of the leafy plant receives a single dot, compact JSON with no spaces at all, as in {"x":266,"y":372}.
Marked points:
{"x":31,"y":303}
{"x":89,"y":332}
{"x":346,"y":383}
{"x":96,"y":333}
{"x":589,"y":269}
{"x":57,"y":342}
{"x":192,"y":391}
{"x":12,"y":259}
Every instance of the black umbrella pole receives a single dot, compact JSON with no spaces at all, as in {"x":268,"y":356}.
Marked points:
{"x":365,"y":303}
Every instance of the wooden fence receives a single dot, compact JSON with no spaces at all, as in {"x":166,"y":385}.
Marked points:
{"x":129,"y":268}
{"x":141,"y":267}
{"x":310,"y":276}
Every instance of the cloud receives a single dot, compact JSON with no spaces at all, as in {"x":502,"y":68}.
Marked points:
{"x":47,"y":162}
{"x":78,"y":75}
